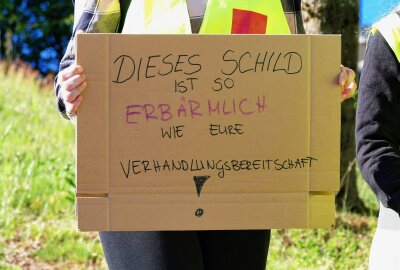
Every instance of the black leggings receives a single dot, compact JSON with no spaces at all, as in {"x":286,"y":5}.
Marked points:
{"x":186,"y":250}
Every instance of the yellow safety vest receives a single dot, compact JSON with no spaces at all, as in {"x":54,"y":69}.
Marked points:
{"x":221,"y":17}
{"x":389,"y":27}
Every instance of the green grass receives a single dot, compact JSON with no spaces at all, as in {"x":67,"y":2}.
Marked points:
{"x":36,"y":169}
{"x":345,"y":247}
{"x":37,"y":222}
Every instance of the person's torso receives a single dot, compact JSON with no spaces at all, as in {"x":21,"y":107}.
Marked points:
{"x":389,"y":27}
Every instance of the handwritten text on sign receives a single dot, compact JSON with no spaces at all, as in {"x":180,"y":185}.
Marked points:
{"x":233,"y":62}
{"x":130,"y":68}
{"x":231,"y":129}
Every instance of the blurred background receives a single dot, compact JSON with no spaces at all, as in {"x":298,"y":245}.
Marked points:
{"x":37,"y":222}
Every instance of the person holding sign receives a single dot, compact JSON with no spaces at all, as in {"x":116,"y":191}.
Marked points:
{"x":378,"y":136}
{"x":246,"y":249}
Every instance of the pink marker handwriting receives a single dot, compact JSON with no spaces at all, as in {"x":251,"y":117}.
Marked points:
{"x":194,"y":109}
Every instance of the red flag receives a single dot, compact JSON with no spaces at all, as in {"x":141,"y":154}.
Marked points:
{"x":248,"y":22}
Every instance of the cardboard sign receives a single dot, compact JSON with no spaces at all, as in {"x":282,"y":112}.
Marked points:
{"x":208,"y":132}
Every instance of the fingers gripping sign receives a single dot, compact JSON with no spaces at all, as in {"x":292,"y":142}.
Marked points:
{"x":72,"y":82}
{"x":347,"y":82}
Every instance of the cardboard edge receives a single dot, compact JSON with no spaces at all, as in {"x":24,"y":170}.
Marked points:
{"x":321,"y":53}
{"x":93,"y":181}
{"x":322,"y":210}
{"x":93,"y":213}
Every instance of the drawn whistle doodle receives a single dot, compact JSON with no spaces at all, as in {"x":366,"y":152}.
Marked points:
{"x":199,"y":182}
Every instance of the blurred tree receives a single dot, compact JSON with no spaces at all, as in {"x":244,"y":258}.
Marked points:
{"x":39,"y":31}
{"x":7,"y":26}
{"x":341,"y":17}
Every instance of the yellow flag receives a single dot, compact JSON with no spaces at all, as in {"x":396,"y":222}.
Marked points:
{"x":221,"y":17}
{"x":244,"y":17}
{"x":157,"y":17}
{"x":389,"y":27}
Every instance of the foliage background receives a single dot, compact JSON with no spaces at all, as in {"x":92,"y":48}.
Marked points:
{"x":35,"y":31}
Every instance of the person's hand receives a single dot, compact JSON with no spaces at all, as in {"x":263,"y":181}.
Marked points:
{"x":72,"y":83}
{"x":347,"y":82}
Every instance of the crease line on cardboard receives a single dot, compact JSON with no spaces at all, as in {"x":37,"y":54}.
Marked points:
{"x":76,"y":132}
{"x":316,"y":193}
{"x":92,"y":195}
{"x":108,"y":127}
{"x":309,"y":89}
